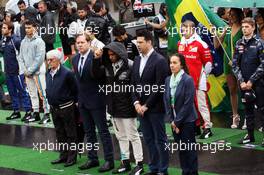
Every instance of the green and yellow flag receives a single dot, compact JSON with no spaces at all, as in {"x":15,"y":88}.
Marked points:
{"x":177,"y":9}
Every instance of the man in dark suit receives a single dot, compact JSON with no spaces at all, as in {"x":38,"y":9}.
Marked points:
{"x":149,"y":72}
{"x":92,"y":106}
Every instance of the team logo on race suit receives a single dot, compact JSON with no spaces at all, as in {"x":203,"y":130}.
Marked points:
{"x":241,"y":49}
{"x":181,"y":48}
{"x":193,"y":49}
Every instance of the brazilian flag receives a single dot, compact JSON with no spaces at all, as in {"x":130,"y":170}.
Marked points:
{"x":201,"y":13}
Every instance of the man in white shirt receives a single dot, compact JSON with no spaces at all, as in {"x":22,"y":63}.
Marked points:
{"x":77,"y":27}
{"x":149,"y":72}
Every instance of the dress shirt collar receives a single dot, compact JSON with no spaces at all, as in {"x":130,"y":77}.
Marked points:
{"x":85,"y":55}
{"x":53,"y":72}
{"x":148,"y":54}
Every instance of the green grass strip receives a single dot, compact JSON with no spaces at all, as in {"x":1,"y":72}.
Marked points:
{"x":26,"y":159}
{"x":219,"y":134}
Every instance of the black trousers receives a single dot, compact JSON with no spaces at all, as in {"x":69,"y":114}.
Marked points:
{"x":188,"y":157}
{"x":154,"y":134}
{"x":93,"y":118}
{"x":258,"y":88}
{"x":66,"y":132}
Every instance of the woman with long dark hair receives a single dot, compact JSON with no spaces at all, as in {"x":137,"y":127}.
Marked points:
{"x":229,"y":39}
{"x":179,"y":104}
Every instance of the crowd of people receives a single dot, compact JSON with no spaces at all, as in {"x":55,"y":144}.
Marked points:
{"x":35,"y":73}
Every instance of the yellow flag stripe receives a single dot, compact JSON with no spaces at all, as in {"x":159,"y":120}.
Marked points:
{"x":187,"y":6}
{"x":216,"y":92}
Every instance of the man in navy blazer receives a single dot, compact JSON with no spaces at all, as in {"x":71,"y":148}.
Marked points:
{"x":149,"y":72}
{"x":92,"y":106}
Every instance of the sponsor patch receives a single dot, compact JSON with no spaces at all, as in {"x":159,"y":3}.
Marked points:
{"x":181,"y":48}
{"x":195,"y":49}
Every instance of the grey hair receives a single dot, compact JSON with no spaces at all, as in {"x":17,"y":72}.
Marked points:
{"x":55,"y":54}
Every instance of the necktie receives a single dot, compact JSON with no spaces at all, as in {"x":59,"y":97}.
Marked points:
{"x":81,"y":66}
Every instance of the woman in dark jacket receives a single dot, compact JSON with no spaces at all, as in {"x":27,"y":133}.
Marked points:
{"x":179,"y":105}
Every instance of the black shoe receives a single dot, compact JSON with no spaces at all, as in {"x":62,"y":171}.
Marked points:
{"x":59,"y":160}
{"x":33,"y":118}
{"x":107,"y":166}
{"x":26,"y":116}
{"x":198,"y":131}
{"x":45,"y":119}
{"x":124,"y":167}
{"x":89,"y":164}
{"x":137,"y":170}
{"x":246,"y":139}
{"x":206,"y":133}
{"x":14,"y":115}
{"x":70,"y":163}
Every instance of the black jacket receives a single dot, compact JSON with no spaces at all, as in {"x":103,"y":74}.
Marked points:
{"x":248,"y":61}
{"x":62,"y":88}
{"x":119,"y":102}
{"x":152,"y":82}
{"x":110,"y":20}
{"x":131,"y":48}
{"x":47,"y":27}
{"x":100,"y":28}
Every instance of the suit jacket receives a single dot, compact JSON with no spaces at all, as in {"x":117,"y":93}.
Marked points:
{"x":149,"y":87}
{"x":184,"y":101}
{"x":90,"y":95}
